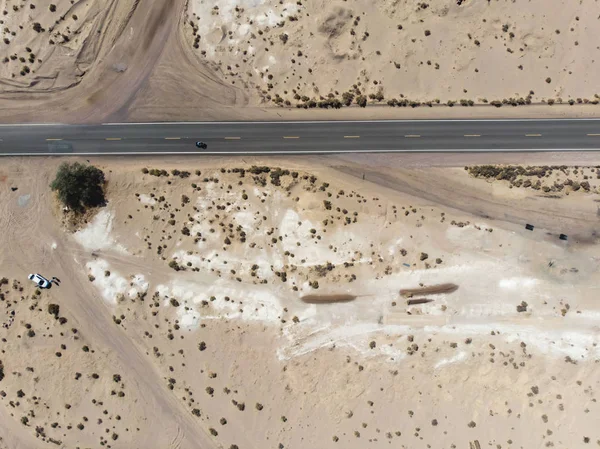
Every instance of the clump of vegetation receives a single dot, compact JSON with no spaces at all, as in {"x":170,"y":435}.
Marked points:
{"x":79,"y":186}
{"x":54,"y":309}
{"x":174,"y":265}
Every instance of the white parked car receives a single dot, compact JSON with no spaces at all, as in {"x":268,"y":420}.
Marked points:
{"x":40,"y":280}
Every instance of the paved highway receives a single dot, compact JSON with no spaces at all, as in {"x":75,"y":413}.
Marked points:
{"x":302,"y":137}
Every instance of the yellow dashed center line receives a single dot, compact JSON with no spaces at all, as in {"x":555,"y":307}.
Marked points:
{"x":52,"y":139}
{"x":232,"y":138}
{"x":472,"y":135}
{"x":533,"y":135}
{"x":593,"y":134}
{"x":351,"y":137}
{"x":172,"y":138}
{"x":291,"y":137}
{"x":412,"y":135}
{"x":113,"y":138}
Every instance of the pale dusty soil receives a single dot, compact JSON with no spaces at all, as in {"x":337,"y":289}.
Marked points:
{"x":224,"y":352}
{"x":421,"y":51}
{"x":135,"y":60}
{"x":50,"y":49}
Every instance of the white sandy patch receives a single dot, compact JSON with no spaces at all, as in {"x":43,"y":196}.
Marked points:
{"x":97,"y":234}
{"x":486,"y":310}
{"x":188,"y":317}
{"x":147,"y":199}
{"x":140,"y":285}
{"x":457,"y":358}
{"x":247,"y":303}
{"x":575,"y":344}
{"x":115,"y":285}
{"x":517,"y":282}
{"x":325,"y":336}
{"x":247,"y":220}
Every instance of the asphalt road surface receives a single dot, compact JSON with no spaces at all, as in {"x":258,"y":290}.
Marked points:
{"x":302,"y":137}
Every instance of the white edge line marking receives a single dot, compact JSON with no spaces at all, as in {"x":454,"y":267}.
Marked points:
{"x":351,"y":137}
{"x":533,"y":135}
{"x":172,"y":138}
{"x":283,"y":122}
{"x":593,"y":134}
{"x":275,"y":153}
{"x":233,"y":138}
{"x":412,"y":135}
{"x":32,"y":124}
{"x":472,"y":135}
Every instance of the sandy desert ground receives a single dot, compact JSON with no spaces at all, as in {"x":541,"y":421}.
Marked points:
{"x":89,"y":61}
{"x":408,"y":51}
{"x":234,"y":304}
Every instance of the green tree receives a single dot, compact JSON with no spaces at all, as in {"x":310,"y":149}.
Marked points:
{"x":79,"y":186}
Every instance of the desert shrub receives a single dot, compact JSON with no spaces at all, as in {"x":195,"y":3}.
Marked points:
{"x":1,"y":370}
{"x":79,"y":186}
{"x":258,"y":170}
{"x":52,"y":7}
{"x":361,"y":100}
{"x":117,"y":378}
{"x":54,"y":309}
{"x":158,"y":172}
{"x":347,"y":98}
{"x":37,"y":27}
